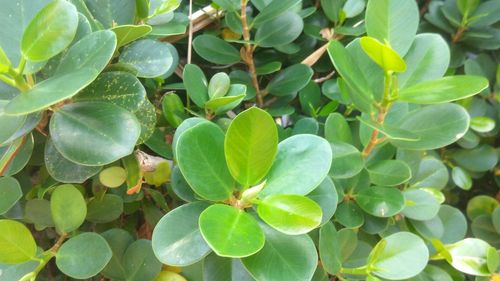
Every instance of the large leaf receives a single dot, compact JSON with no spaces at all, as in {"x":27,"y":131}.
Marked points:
{"x":10,"y":193}
{"x":302,"y":162}
{"x":427,"y":59}
{"x":280,"y":30}
{"x":116,"y":87}
{"x":393,"y":20}
{"x":399,"y":256}
{"x":68,"y":208}
{"x":283,"y":257}
{"x":50,"y":31}
{"x":242,"y":238}
{"x":149,"y":57}
{"x":16,"y":242}
{"x":469,"y":256}
{"x":435,"y":125}
{"x":200,"y":154}
{"x":290,"y":80}
{"x":216,"y":50}
{"x":290,"y":214}
{"x":381,"y":201}
{"x":63,"y":170}
{"x":185,"y":245}
{"x":250,"y":146}
{"x":94,"y":133}
{"x":83,"y":256}
{"x":444,"y":90}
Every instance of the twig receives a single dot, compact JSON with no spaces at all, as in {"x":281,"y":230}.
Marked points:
{"x":323,"y":79}
{"x":190,"y":31}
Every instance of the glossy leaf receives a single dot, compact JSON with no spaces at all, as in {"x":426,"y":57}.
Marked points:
{"x":381,"y":201}
{"x":290,"y":214}
{"x":10,"y":193}
{"x":50,"y":31}
{"x":68,"y":208}
{"x":219,"y":85}
{"x":215,"y":50}
{"x":290,"y":80}
{"x":420,"y":205}
{"x":383,"y":55}
{"x":443,"y":90}
{"x":94,"y":133}
{"x":200,"y":154}
{"x":149,"y":57}
{"x":83,"y":256}
{"x":242,"y":239}
{"x":196,"y":84}
{"x":461,"y":178}
{"x":302,"y":162}
{"x":250,"y":146}
{"x":113,"y":177}
{"x":17,"y":245}
{"x":129,"y":33}
{"x":469,"y":256}
{"x":389,"y":172}
{"x":185,"y":245}
{"x":279,"y":31}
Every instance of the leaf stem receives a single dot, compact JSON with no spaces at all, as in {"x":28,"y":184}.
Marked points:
{"x":363,"y":270}
{"x":247,"y":53}
{"x":46,"y":257}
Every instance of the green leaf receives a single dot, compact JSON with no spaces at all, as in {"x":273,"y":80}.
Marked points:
{"x":37,"y":211}
{"x":186,"y":124}
{"x":353,"y":8}
{"x":329,"y":249}
{"x":83,"y":256}
{"x":478,"y":159}
{"x":15,"y":156}
{"x":461,"y":178}
{"x":482,"y":124}
{"x":337,"y":128}
{"x":347,"y":160}
{"x":273,"y":10}
{"x":216,"y":50}
{"x":427,"y":59}
{"x":481,"y":205}
{"x":5,"y":63}
{"x":467,"y":7}
{"x":219,"y":85}
{"x":10,"y":193}
{"x":185,"y":245}
{"x":16,"y":243}
{"x":290,"y":80}
{"x":435,"y":125}
{"x":50,"y":31}
{"x":112,"y":12}
{"x":250,"y":146}
{"x":149,"y":57}
{"x":11,"y":124}
{"x":349,"y":215}
{"x":129,"y":33}
{"x":113,"y":176}
{"x":420,"y":205}
{"x":173,"y":109}
{"x":196,"y":84}
{"x":105,"y":209}
{"x":63,"y":170}
{"x":290,"y":257}
{"x":242,"y":238}
{"x":140,"y":262}
{"x":93,"y":51}
{"x":217,"y":268}
{"x":302,"y":162}
{"x":165,"y":6}
{"x":400,"y":256}
{"x":383,"y":55}
{"x":495,"y":217}
{"x":290,"y":214}
{"x":50,"y":91}
{"x":146,"y":115}
{"x":116,"y":87}
{"x":443,"y":90}
{"x":279,"y":31}
{"x":393,"y":20}
{"x":200,"y":154}
{"x":94,"y":133}
{"x":362,"y":95}
{"x":220,"y":104}
{"x":326,"y":196}
{"x":381,"y":201}
{"x":68,"y":208}
{"x":469,"y":256}
{"x":389,"y":172}
{"x":118,"y":240}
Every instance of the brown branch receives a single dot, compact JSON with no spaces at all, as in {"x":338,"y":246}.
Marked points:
{"x":458,"y":35}
{"x":14,"y":154}
{"x":246,"y":52}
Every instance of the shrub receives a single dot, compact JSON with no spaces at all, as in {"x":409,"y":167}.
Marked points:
{"x":301,"y":140}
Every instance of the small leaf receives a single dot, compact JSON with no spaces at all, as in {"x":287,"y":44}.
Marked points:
{"x":105,"y":209}
{"x":347,"y":160}
{"x":113,"y":177}
{"x":219,"y":85}
{"x":196,"y":84}
{"x":383,"y":55}
{"x":389,"y":172}
{"x":83,"y":256}
{"x":50,"y":31}
{"x":16,"y":243}
{"x":215,"y":50}
{"x":381,"y":201}
{"x":443,"y":90}
{"x":10,"y":193}
{"x":290,"y":214}
{"x":461,"y":178}
{"x":250,"y":146}
{"x":173,"y":109}
{"x":290,"y":80}
{"x":482,"y":124}
{"x":68,"y":208}
{"x":242,"y":239}
{"x":200,"y":154}
{"x":185,"y":245}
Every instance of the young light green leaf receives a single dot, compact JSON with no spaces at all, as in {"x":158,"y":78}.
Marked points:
{"x":443,"y":90}
{"x":482,"y":124}
{"x":200,"y":154}
{"x":290,"y":214}
{"x":219,"y":85}
{"x":250,"y":146}
{"x":383,"y":55}
{"x":244,"y":237}
{"x":129,"y":33}
{"x":50,"y":31}
{"x":68,"y":208}
{"x":17,"y":245}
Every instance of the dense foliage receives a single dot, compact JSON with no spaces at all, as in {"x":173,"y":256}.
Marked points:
{"x":279,"y":140}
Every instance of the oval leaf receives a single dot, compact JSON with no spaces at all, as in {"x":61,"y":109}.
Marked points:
{"x":16,"y":243}
{"x":68,"y":208}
